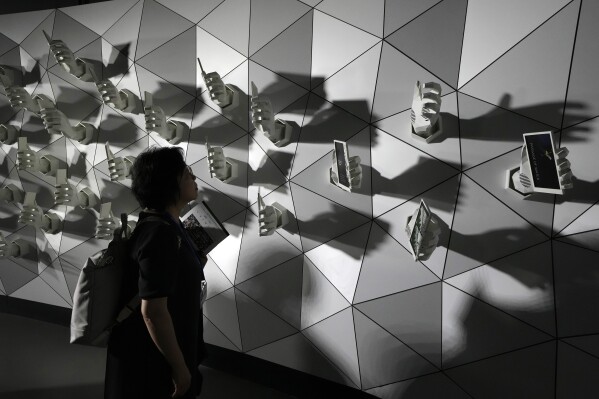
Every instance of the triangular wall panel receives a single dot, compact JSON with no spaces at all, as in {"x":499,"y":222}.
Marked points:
{"x":269,"y":19}
{"x":486,"y":35}
{"x":538,"y":88}
{"x":388,"y":268}
{"x":290,"y":53}
{"x":328,"y":53}
{"x":366,"y":16}
{"x":509,"y":232}
{"x":473,"y":330}
{"x":125,"y":32}
{"x":236,"y":13}
{"x":158,"y":25}
{"x":440,"y":31}
{"x":522,"y":278}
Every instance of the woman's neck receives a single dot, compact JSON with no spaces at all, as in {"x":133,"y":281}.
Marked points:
{"x":173,"y":210}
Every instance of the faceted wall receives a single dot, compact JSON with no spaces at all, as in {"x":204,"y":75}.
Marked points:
{"x":506,"y":305}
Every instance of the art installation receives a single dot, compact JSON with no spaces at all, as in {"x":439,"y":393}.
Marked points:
{"x":422,"y":270}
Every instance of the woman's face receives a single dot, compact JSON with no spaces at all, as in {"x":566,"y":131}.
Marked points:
{"x":188,"y":188}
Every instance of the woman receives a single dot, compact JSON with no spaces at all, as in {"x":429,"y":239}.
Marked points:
{"x":155,"y":352}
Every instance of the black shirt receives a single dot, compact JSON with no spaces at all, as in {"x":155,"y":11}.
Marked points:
{"x":168,"y":267}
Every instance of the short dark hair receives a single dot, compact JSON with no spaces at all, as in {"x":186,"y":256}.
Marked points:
{"x":155,"y":176}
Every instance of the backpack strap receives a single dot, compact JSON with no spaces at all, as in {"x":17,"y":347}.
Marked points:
{"x":136,"y":300}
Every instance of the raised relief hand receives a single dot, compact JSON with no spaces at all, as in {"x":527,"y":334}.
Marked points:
{"x":270,"y":217}
{"x":31,"y":214}
{"x":346,"y":171}
{"x":111,"y":95}
{"x":26,"y":157}
{"x":119,"y":168}
{"x":220,"y":94}
{"x":56,"y":122}
{"x":425,"y":113}
{"x":20,"y":98}
{"x":66,"y":59}
{"x":263,"y":119}
{"x":172,"y":131}
{"x":221,"y":167}
{"x":107,"y":223}
{"x":522,"y":181}
{"x":423,"y":232}
{"x":64,"y":192}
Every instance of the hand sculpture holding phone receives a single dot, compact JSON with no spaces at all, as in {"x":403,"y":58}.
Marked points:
{"x":31,"y":214}
{"x":107,"y":223}
{"x":423,"y":232}
{"x":220,"y":93}
{"x":220,"y":167}
{"x":276,"y":130}
{"x":64,"y":192}
{"x":123,"y":100}
{"x":26,"y":157}
{"x":270,"y":217}
{"x":521,"y":178}
{"x":425,"y":113}
{"x":172,"y":131}
{"x":119,"y":168}
{"x":346,"y":171}
{"x":66,"y":59}
{"x":21,"y":99}
{"x":56,"y":122}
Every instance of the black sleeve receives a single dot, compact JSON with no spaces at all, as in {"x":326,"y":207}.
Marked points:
{"x":157,"y":250}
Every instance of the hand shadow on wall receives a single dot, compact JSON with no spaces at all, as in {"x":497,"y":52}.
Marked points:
{"x":400,"y":186}
{"x":347,"y":242}
{"x":118,"y":131}
{"x":120,"y":65}
{"x":80,"y":223}
{"x":585,"y":192}
{"x":500,"y":125}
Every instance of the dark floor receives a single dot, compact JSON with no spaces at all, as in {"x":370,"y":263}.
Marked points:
{"x":36,"y":361}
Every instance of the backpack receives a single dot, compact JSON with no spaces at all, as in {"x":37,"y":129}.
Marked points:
{"x":106,"y":291}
